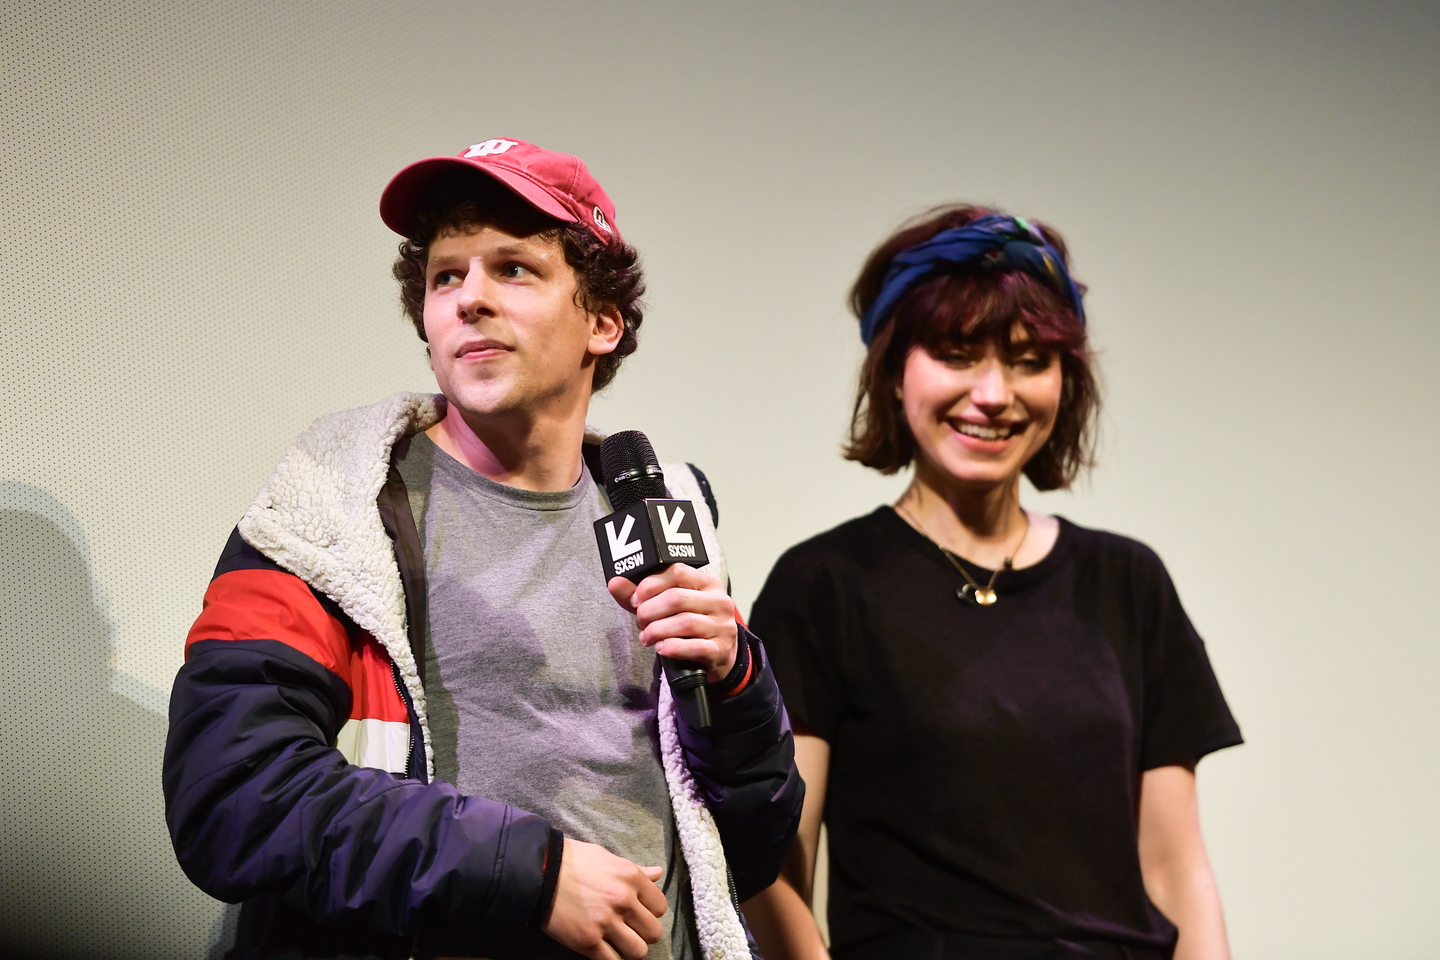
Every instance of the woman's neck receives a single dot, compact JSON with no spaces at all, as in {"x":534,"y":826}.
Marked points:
{"x":985,"y":526}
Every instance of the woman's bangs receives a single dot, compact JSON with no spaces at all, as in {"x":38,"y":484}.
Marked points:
{"x":958,"y":310}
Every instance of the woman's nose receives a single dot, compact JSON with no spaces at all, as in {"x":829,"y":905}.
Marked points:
{"x":991,"y":387}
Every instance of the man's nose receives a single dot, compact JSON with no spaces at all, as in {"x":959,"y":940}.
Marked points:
{"x":476,"y":293}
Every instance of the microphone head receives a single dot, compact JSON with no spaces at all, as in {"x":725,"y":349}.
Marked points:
{"x":631,"y":470}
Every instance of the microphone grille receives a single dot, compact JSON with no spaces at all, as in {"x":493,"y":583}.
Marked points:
{"x":630,"y":469}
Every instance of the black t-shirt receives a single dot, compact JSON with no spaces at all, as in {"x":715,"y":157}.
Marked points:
{"x":985,"y":761}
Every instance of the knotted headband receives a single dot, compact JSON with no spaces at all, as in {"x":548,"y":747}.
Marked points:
{"x":1005,"y":243}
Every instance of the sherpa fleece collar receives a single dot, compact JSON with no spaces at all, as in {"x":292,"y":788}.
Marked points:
{"x":316,"y":517}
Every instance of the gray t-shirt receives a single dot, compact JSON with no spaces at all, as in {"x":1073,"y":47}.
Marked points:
{"x":539,"y":693}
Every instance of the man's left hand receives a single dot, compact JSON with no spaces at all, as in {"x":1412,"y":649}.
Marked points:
{"x":685,"y":614}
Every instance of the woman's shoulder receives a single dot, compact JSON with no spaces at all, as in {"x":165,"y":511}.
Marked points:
{"x":1112,"y":551}
{"x":853,"y":542}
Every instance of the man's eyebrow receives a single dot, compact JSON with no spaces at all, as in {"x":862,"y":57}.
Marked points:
{"x":433,"y":258}
{"x":516,"y":249}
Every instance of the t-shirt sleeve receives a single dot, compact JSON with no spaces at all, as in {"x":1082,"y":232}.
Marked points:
{"x":1186,"y":715}
{"x":799,"y":617}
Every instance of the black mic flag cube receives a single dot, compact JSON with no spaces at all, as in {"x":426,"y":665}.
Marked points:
{"x":648,"y":536}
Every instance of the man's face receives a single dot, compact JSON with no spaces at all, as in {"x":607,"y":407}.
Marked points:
{"x":506,"y":333}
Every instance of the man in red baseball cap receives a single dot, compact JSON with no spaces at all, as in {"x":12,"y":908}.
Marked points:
{"x":412,"y":720}
{"x":556,"y":184}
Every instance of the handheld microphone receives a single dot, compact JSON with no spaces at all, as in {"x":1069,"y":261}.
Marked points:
{"x":645,"y":534}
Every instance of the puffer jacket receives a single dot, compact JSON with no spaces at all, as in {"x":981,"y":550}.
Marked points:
{"x":298,"y":775}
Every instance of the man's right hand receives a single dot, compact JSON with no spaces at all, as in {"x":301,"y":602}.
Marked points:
{"x":605,"y":906}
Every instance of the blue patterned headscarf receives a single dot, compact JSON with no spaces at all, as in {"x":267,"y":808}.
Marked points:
{"x":1004,"y":243}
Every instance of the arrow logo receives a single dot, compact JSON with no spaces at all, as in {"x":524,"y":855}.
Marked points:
{"x":621,"y":546}
{"x":671,"y":525}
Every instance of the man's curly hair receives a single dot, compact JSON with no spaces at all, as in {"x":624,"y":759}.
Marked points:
{"x":606,"y":274}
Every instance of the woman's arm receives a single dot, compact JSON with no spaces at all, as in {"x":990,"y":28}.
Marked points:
{"x":780,"y":915}
{"x":1174,"y":865}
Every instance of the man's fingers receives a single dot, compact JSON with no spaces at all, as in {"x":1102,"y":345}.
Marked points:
{"x":628,"y":943}
{"x":686,"y":614}
{"x":623,"y":591}
{"x":603,"y":951}
{"x":717,"y":606}
{"x":652,"y":898}
{"x":605,"y":906}
{"x":641,"y":924}
{"x":691,"y":625}
{"x":677,"y":575}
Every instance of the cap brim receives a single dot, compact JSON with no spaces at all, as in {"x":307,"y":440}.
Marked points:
{"x":397,"y":202}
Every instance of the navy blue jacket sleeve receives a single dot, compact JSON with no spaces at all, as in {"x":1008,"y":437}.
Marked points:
{"x":257,"y":803}
{"x":744,"y":766}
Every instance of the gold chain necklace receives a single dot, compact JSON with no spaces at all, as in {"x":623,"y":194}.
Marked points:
{"x":972,"y":592}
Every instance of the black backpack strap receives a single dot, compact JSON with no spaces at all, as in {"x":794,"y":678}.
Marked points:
{"x":709,"y":494}
{"x":591,"y":453}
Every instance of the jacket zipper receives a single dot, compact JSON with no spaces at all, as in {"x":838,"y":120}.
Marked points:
{"x":395,"y":679}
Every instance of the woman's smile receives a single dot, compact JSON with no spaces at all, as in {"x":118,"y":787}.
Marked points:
{"x":986,"y":438}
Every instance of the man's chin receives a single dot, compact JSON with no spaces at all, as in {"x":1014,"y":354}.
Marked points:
{"x":475,"y":404}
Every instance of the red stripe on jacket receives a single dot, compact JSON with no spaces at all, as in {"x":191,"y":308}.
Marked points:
{"x":272,"y":605}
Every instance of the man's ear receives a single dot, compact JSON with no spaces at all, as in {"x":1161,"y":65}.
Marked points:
{"x":606,"y":329}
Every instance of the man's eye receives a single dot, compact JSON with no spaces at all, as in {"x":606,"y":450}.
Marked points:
{"x":446,"y":277}
{"x":512,"y":271}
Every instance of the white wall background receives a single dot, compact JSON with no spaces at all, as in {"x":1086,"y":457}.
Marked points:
{"x":193,"y":270}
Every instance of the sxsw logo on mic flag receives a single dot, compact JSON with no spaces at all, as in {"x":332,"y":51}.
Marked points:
{"x":621,"y":546}
{"x":648,"y":536}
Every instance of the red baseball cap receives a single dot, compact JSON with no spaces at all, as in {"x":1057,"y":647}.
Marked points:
{"x":556,"y":184}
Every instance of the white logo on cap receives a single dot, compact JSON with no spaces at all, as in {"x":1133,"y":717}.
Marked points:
{"x":601,"y":222}
{"x":489,"y":147}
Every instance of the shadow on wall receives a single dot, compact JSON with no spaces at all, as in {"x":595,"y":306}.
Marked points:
{"x":88,"y":868}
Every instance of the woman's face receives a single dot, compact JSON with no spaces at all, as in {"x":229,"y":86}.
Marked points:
{"x":980,"y":412}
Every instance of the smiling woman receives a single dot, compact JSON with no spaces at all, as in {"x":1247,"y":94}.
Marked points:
{"x":955,"y":311}
{"x":997,"y":713}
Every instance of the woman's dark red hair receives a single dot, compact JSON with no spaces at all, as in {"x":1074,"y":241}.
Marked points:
{"x":965,"y":305}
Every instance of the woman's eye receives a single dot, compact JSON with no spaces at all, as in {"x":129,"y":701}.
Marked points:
{"x":1033,"y":362}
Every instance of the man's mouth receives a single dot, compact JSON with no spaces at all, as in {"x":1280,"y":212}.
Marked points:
{"x":479,"y":347}
{"x":1001,"y":432}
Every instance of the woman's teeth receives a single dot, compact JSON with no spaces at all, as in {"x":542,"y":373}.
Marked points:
{"x":984,"y":433}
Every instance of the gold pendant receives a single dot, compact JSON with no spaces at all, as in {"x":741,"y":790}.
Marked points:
{"x":977,"y":596}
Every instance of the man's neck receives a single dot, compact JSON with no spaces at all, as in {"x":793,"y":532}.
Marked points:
{"x":528,"y":453}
